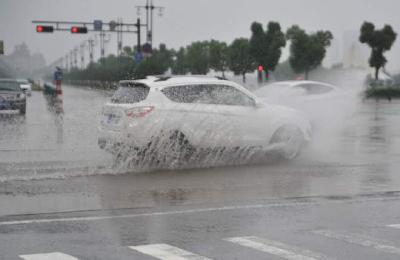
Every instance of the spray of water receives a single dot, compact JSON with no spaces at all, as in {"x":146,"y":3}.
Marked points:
{"x":332,"y":115}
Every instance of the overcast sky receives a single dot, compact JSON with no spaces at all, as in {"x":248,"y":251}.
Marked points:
{"x":185,"y":21}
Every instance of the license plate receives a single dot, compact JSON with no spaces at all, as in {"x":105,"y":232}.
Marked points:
{"x":4,"y":104}
{"x":8,"y":112}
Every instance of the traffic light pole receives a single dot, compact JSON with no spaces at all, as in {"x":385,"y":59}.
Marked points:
{"x":76,"y":27}
{"x":66,"y":26}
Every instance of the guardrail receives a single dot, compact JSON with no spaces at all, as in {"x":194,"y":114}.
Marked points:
{"x":97,"y":84}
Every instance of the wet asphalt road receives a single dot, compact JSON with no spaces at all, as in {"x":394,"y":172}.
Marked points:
{"x":339,"y":200}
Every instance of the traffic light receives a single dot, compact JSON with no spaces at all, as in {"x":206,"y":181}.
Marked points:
{"x":260,"y":70}
{"x":44,"y":29}
{"x":76,"y":29}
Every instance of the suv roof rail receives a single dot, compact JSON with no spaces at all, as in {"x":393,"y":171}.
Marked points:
{"x":162,"y":78}
{"x":159,"y":78}
{"x":221,"y":77}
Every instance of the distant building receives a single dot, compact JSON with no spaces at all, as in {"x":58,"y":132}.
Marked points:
{"x":333,"y":56}
{"x":355,"y":54}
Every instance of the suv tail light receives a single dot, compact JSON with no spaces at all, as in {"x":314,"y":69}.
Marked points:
{"x":139,"y":111}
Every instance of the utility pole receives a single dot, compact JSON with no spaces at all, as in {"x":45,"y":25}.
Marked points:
{"x":91,"y":43}
{"x":102,"y":52}
{"x":150,"y":7}
{"x":82,"y":54}
{"x":66,"y":62}
{"x":103,"y":42}
{"x":119,"y":37}
{"x":71,"y":59}
{"x":139,"y":44}
{"x":75,"y":51}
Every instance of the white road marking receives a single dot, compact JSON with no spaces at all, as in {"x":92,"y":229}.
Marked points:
{"x":360,"y":240}
{"x":177,"y":212}
{"x":394,"y":226}
{"x":48,"y":256}
{"x":151,"y":214}
{"x":275,"y":248}
{"x":167,"y":252}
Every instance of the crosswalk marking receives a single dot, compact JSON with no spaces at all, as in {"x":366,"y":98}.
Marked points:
{"x":275,"y":248}
{"x":48,"y":256}
{"x":167,"y":252}
{"x":394,"y":226}
{"x":359,"y":240}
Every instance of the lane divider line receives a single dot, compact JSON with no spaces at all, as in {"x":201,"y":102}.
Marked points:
{"x":150,"y":214}
{"x":167,"y":252}
{"x":394,"y":226}
{"x":188,"y":211}
{"x":275,"y":248}
{"x":48,"y":256}
{"x":360,"y":240}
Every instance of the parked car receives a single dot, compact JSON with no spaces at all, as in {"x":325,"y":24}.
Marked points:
{"x":12,"y":98}
{"x":174,"y":113}
{"x":319,"y":101}
{"x":282,"y":91}
{"x":26,"y":86}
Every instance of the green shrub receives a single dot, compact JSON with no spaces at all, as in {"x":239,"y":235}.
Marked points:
{"x":387,"y":93}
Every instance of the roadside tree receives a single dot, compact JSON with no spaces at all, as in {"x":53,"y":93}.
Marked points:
{"x":266,"y":46}
{"x":218,"y":52}
{"x":379,"y":41}
{"x":239,"y":58}
{"x":197,"y":57}
{"x":179,"y":65}
{"x":307,"y":51}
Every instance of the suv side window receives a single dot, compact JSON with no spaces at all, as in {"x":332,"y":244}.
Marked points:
{"x":185,"y":94}
{"x":227,"y":95}
{"x":208,"y":94}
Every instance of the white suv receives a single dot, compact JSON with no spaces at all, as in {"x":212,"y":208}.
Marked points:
{"x":182,"y":114}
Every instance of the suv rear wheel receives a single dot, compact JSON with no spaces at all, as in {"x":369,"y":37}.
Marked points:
{"x":292,"y":140}
{"x":174,"y":150}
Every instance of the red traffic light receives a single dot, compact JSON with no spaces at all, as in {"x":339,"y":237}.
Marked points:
{"x":260,"y":68}
{"x":44,"y":29}
{"x":76,"y":29}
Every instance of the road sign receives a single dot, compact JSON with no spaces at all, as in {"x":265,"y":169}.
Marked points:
{"x":1,"y":48}
{"x":98,"y":25}
{"x":113,"y":25}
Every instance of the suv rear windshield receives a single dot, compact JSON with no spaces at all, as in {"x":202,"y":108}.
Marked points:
{"x":9,"y":86}
{"x":129,"y":92}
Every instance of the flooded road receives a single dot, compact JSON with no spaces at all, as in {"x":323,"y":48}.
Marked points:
{"x":362,"y":149}
{"x":57,"y":185}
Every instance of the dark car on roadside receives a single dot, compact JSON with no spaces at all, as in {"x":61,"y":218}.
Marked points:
{"x":12,"y":97}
